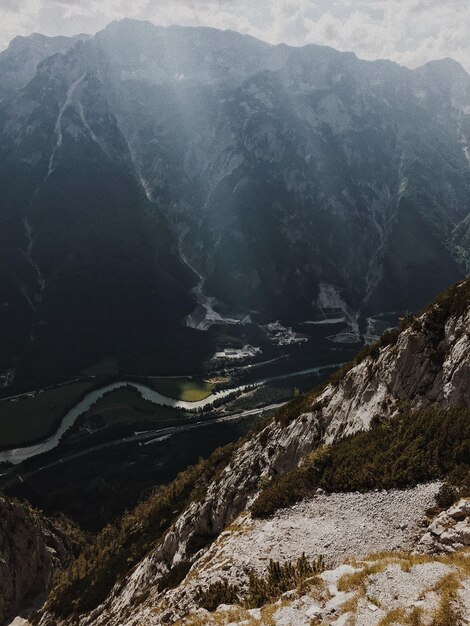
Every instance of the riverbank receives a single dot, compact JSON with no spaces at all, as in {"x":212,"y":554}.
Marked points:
{"x":22,"y":453}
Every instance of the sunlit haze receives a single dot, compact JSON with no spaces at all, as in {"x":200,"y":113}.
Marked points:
{"x":410,"y":32}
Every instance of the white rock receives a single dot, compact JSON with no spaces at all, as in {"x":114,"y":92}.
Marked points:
{"x":343,"y":620}
{"x":314,"y":611}
{"x":450,"y":531}
{"x":255,"y":613}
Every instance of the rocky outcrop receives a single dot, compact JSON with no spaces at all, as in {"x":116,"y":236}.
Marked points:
{"x":414,"y":370}
{"x":390,"y":589}
{"x":333,"y":527}
{"x":275,"y":450}
{"x":32,"y":551}
{"x":449,"y":531}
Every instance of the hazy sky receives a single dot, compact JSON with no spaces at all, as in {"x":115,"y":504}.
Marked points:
{"x":408,"y":31}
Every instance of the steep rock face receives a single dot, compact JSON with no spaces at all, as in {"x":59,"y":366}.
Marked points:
{"x":414,"y":370}
{"x":19,"y":62}
{"x":295,"y":154}
{"x":32,"y":551}
{"x":269,"y":170}
{"x":429,"y":363}
{"x":78,"y":229}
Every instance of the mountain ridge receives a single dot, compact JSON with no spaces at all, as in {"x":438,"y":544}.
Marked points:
{"x":272,"y":170}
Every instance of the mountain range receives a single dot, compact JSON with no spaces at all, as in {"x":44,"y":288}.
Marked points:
{"x":147,"y":172}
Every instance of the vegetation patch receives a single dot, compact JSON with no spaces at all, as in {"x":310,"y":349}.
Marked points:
{"x":356,"y":581}
{"x":33,"y":416}
{"x":262,"y":590}
{"x":185,"y":389}
{"x":220,"y":592}
{"x":403,"y":617}
{"x":280,"y":577}
{"x":414,"y":447}
{"x":447,"y":614}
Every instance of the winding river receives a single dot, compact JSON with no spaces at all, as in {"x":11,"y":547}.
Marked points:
{"x":17,"y":455}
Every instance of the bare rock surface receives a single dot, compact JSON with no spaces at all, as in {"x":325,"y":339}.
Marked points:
{"x":338,"y":525}
{"x":406,"y":371}
{"x":333,"y":526}
{"x":32,"y":551}
{"x":449,"y":531}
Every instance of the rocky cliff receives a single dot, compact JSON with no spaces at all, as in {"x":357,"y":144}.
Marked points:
{"x":144,"y":160}
{"x":423,"y":366}
{"x":32,"y":551}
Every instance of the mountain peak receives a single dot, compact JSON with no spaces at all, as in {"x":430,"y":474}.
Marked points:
{"x":131,"y":28}
{"x":446,"y":67}
{"x":23,"y":41}
{"x":130,"y":25}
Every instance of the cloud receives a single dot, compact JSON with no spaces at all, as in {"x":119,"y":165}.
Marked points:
{"x":16,"y":18}
{"x":410,"y":32}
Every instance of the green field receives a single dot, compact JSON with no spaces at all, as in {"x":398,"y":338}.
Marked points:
{"x":126,"y":406}
{"x":185,"y":389}
{"x":32,"y":416}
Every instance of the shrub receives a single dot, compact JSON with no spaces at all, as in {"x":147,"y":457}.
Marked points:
{"x":446,"y":496}
{"x":282,"y":492}
{"x":457,"y":486}
{"x":280,"y":577}
{"x":216,"y":594}
{"x":412,"y":447}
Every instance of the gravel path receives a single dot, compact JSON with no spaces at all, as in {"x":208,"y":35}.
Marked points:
{"x":338,"y":525}
{"x":335,"y":526}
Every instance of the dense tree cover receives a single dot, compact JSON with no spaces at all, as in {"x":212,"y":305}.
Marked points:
{"x":413,"y":447}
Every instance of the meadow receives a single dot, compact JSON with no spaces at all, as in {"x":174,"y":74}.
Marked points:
{"x":33,"y":416}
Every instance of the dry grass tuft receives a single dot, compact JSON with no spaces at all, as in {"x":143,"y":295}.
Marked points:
{"x":356,"y":581}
